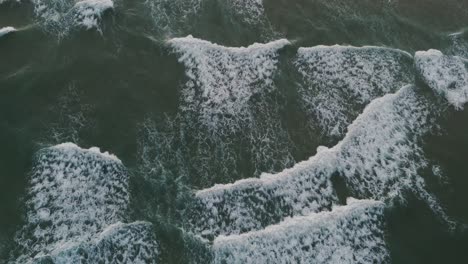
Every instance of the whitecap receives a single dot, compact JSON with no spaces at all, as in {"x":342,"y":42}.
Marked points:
{"x":222,"y":80}
{"x":60,"y":16}
{"x":447,"y":75}
{"x":73,"y":195}
{"x":229,"y":99}
{"x":88,"y":13}
{"x":340,"y":80}
{"x":380,"y":158}
{"x":118,"y":243}
{"x":6,"y":30}
{"x":348,"y":234}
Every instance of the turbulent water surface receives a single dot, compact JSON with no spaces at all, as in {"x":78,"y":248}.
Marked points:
{"x":233,"y":131}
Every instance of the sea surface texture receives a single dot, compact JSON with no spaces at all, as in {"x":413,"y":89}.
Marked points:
{"x":233,"y":131}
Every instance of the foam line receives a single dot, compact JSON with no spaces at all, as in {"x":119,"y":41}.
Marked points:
{"x":447,"y":75}
{"x":229,"y":99}
{"x":118,"y":243}
{"x":60,"y":16}
{"x":339,"y":81}
{"x":223,"y":79}
{"x":348,"y":234}
{"x":6,"y":30}
{"x":73,"y":195}
{"x":379,"y":158}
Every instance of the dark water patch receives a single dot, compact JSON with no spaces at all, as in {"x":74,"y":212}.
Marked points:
{"x":449,"y":152}
{"x":433,"y":14}
{"x":348,"y":22}
{"x":305,"y":141}
{"x":16,"y":13}
{"x":15,"y":159}
{"x":415,"y":236}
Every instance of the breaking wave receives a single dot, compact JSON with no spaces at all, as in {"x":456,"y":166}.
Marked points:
{"x":447,"y":75}
{"x":61,"y":16}
{"x":75,"y":203}
{"x":340,"y":81}
{"x":6,"y":30}
{"x":348,"y":234}
{"x":380,"y":158}
{"x":231,"y":103}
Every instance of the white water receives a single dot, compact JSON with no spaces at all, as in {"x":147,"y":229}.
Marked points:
{"x":60,"y":16}
{"x":348,"y":234}
{"x":380,"y":158}
{"x":222,"y":80}
{"x":339,"y":81}
{"x":6,"y":30}
{"x":229,"y":98}
{"x":447,"y":75}
{"x":118,"y":243}
{"x":74,"y":199}
{"x":252,"y":204}
{"x":88,"y":13}
{"x":176,"y":17}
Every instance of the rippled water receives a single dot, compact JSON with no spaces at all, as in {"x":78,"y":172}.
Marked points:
{"x":240,"y":131}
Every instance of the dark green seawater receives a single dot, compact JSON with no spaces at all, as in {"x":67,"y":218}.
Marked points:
{"x":119,"y":76}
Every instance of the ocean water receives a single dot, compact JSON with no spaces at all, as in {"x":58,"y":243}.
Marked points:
{"x":240,"y":131}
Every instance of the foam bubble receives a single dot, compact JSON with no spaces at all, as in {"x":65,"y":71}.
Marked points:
{"x":223,"y":79}
{"x":349,"y":234}
{"x":88,"y":13}
{"x":60,"y":16}
{"x":229,"y":99}
{"x":447,"y":75}
{"x":459,"y":44}
{"x":379,"y":158}
{"x":172,"y":16}
{"x":340,"y":80}
{"x":251,"y":12}
{"x":118,"y":243}
{"x":73,"y":147}
{"x":176,"y":17}
{"x":252,"y":204}
{"x":73,"y":195}
{"x":6,"y":30}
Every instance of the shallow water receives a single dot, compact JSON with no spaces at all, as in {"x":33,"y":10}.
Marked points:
{"x":189,"y":117}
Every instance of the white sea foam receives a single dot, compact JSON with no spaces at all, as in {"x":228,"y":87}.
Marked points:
{"x":222,"y":80}
{"x":172,"y":16}
{"x":175,"y":17}
{"x":251,"y":12}
{"x":447,"y":75}
{"x":73,"y":195}
{"x":349,"y":234}
{"x":88,"y":13}
{"x":230,"y":99}
{"x":340,"y":80}
{"x":60,"y":16}
{"x":379,"y":158}
{"x":459,"y":45}
{"x":252,"y":204}
{"x":6,"y":30}
{"x":118,"y":243}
